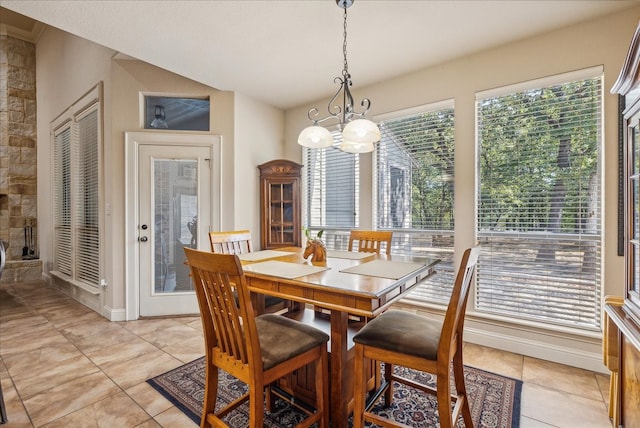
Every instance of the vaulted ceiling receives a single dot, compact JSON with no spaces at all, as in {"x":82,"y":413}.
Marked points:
{"x":286,"y":53}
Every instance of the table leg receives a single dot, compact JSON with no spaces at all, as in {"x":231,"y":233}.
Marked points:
{"x":257,"y":301}
{"x":339,"y":400}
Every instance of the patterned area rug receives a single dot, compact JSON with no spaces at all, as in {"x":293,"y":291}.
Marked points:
{"x":494,"y":399}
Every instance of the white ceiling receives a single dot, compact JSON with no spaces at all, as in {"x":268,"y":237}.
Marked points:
{"x":287,"y":52}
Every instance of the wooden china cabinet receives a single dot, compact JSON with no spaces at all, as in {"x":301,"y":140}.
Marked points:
{"x":626,"y":317}
{"x":280,"y":212}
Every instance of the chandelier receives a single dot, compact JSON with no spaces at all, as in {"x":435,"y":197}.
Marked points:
{"x":358,"y":133}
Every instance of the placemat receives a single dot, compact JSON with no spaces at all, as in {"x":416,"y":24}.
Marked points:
{"x":283,"y":269}
{"x":261,"y":255}
{"x":384,"y":269}
{"x":352,"y":255}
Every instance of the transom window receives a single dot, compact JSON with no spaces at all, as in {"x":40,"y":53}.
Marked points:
{"x":177,"y":113}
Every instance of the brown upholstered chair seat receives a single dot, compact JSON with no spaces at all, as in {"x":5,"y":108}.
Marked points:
{"x":282,"y":338}
{"x":404,"y":332}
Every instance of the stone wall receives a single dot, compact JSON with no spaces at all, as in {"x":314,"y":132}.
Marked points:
{"x":18,"y":161}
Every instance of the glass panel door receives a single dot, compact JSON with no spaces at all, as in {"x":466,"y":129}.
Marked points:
{"x":174,"y":203}
{"x":175,"y":210}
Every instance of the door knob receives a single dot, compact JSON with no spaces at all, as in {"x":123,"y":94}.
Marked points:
{"x":143,"y":239}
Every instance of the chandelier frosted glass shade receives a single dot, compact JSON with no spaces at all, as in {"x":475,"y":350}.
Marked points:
{"x":361,"y":131}
{"x":354,"y":147}
{"x":315,"y":137}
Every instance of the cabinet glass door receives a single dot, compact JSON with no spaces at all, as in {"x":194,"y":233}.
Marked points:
{"x":281,"y":213}
{"x":633,"y":222}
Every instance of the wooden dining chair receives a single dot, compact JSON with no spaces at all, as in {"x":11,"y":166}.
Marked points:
{"x":409,"y":340}
{"x":231,"y":242}
{"x":258,"y":350}
{"x":370,"y":241}
{"x":239,"y":242}
{"x":365,"y":241}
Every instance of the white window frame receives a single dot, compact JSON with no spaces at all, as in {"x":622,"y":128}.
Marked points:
{"x":485,"y":277}
{"x":81,"y":264}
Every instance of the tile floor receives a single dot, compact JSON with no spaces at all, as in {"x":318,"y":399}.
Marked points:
{"x":63,"y":365}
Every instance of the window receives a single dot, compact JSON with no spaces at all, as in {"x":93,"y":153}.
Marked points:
{"x":539,"y":200}
{"x":176,"y":113}
{"x":77,"y":142}
{"x":332,"y":190}
{"x":414,"y":189}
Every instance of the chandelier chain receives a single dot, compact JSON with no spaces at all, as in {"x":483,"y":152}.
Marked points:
{"x":345,"y":71}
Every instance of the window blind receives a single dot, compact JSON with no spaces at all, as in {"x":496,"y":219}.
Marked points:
{"x":62,"y":197}
{"x":76,"y":172}
{"x":332,"y":185}
{"x":539,"y":202}
{"x":414,"y":190}
{"x":86,"y":210}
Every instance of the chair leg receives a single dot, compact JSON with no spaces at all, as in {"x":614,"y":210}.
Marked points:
{"x":359,"y":389}
{"x":269,"y":398}
{"x":461,"y":389}
{"x":443,"y":396}
{"x":210,"y":392}
{"x":256,"y":405}
{"x":388,"y":373}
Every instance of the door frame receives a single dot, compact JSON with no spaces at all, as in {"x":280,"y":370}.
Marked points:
{"x":133,"y":140}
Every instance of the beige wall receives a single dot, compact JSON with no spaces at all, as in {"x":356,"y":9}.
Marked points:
{"x":131,"y":79}
{"x":259,"y":129}
{"x":67,"y":67}
{"x":604,"y":41}
{"x":599,"y":42}
{"x":59,"y":83}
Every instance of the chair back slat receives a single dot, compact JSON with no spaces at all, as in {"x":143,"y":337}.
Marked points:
{"x":228,"y":323}
{"x":232,"y":242}
{"x":454,"y":318}
{"x":224,"y":308}
{"x":370,"y":241}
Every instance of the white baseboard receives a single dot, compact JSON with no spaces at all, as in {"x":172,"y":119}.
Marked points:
{"x":588,"y":360}
{"x":114,"y":314}
{"x":559,"y":345}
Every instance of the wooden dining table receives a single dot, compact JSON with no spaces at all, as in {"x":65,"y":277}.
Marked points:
{"x":347,"y":284}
